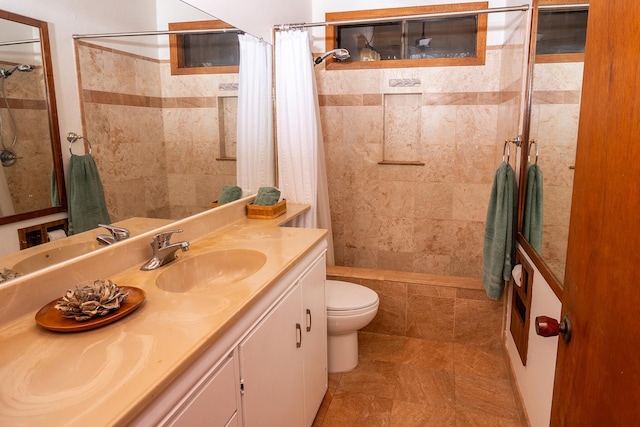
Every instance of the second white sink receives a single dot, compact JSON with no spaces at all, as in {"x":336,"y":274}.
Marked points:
{"x":53,"y":256}
{"x":220,"y":267}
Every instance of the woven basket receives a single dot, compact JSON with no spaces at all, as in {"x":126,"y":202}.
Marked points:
{"x":266,"y":212}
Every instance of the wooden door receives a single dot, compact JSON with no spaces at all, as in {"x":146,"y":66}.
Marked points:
{"x":598,"y":372}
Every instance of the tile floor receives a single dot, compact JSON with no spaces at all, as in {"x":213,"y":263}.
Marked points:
{"x":406,"y":382}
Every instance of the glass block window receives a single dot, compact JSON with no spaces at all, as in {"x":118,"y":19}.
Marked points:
{"x":437,"y":41}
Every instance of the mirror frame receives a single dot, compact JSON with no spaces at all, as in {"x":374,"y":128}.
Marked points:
{"x":54,"y":129}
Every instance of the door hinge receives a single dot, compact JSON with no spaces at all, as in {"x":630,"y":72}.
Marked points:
{"x":241,"y":386}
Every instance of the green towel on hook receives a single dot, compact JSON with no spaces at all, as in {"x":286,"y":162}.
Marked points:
{"x":499,"y":239}
{"x":87,"y":206}
{"x":55,"y":199}
{"x":533,"y":204}
{"x":229,"y":194}
{"x":267,"y":196}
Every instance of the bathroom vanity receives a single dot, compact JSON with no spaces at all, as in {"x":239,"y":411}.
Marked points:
{"x":248,"y":352}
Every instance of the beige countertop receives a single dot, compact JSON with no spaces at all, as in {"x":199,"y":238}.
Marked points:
{"x":105,"y":376}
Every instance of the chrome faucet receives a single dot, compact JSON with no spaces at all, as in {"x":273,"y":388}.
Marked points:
{"x":163,"y":251}
{"x":117,"y":234}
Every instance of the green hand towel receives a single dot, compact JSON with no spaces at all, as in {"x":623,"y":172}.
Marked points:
{"x":55,"y":199}
{"x":229,"y":194}
{"x":533,"y":204}
{"x":87,"y":207}
{"x":499,"y":238}
{"x":267,"y":196}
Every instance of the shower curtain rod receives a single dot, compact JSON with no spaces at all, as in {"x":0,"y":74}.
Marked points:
{"x":156,"y":33}
{"x":284,"y":27}
{"x":19,"y":42}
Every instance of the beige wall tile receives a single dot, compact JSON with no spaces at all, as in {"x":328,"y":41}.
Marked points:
{"x":392,"y":310}
{"x":478,"y":322}
{"x":430,"y":317}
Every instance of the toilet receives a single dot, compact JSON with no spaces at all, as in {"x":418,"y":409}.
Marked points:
{"x":350,"y":307}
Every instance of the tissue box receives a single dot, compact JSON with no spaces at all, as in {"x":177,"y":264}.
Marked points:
{"x":266,"y":212}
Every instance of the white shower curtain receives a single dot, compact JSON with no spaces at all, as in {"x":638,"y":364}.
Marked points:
{"x":302,"y":175}
{"x":255,"y":150}
{"x":6,"y":203}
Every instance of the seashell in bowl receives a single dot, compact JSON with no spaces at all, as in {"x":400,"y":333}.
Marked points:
{"x":91,"y":299}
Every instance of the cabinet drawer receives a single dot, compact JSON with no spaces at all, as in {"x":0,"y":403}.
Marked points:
{"x":212,"y":402}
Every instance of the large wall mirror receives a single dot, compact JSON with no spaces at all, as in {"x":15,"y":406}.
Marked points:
{"x":31,"y":174}
{"x":164,"y":144}
{"x":556,"y":65}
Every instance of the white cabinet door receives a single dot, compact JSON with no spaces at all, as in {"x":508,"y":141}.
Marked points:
{"x":271,"y":367}
{"x":213,"y":402}
{"x":314,"y":343}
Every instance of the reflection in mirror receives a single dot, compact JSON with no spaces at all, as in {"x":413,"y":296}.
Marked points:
{"x":553,"y":125}
{"x":164,"y":144}
{"x":31,"y":176}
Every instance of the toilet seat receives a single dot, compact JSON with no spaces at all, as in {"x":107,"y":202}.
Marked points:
{"x":347,"y":299}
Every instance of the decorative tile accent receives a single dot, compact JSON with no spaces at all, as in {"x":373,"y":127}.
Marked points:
{"x":228,"y":86}
{"x":404,"y":82}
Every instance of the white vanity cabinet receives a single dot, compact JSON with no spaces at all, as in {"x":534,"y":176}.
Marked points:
{"x":283,"y":361}
{"x":269,"y":369}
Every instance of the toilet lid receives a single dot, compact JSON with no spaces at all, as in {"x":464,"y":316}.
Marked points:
{"x":348,"y":296}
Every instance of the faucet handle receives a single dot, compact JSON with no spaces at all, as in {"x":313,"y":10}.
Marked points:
{"x":118,"y":233}
{"x":162,"y":239}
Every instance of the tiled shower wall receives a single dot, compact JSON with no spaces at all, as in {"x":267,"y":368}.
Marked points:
{"x":418,"y":218}
{"x":155,"y":136}
{"x":29,"y":178}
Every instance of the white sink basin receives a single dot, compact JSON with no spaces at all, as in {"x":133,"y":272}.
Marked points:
{"x":54,"y":256}
{"x":221,"y":267}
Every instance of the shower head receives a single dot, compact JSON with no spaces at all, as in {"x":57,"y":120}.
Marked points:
{"x":338,"y":54}
{"x":21,"y":67}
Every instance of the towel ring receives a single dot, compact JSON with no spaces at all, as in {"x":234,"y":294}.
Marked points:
{"x":506,"y":149}
{"x":529,"y":152}
{"x":73,"y":137}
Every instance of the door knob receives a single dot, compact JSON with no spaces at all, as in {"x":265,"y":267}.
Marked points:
{"x":549,"y":327}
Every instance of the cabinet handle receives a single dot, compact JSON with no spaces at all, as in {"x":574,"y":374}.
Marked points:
{"x":308,"y":320}
{"x":298,"y":335}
